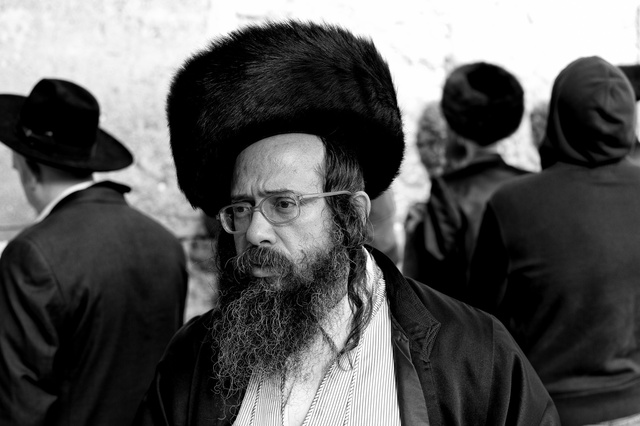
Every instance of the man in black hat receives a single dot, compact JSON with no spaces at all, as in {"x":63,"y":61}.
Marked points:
{"x":92,"y":292}
{"x":286,"y":131}
{"x":482,"y":104}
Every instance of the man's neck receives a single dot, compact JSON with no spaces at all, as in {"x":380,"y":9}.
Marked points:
{"x":53,"y":194}
{"x":52,"y":190}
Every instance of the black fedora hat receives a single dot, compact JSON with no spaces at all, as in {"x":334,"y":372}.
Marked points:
{"x":57,"y":125}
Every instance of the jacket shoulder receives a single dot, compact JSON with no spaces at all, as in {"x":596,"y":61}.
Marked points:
{"x":188,"y":343}
{"x":478,"y":367}
{"x":469,"y":366}
{"x":489,"y":165}
{"x":456,"y":316}
{"x":181,"y":391}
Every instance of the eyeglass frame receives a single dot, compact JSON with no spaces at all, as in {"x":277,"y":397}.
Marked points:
{"x":258,"y":208}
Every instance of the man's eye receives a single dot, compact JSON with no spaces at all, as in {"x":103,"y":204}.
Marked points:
{"x":284,"y":204}
{"x":241,"y":210}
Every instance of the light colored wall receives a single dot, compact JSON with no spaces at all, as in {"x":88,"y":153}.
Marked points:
{"x":125,"y":52}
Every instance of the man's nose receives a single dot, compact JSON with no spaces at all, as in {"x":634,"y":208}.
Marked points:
{"x":260,"y":231}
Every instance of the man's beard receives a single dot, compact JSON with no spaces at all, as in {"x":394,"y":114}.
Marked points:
{"x":267,"y":324}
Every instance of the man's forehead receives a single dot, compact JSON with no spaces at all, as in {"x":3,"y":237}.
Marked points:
{"x":284,"y":143}
{"x":278,"y":162}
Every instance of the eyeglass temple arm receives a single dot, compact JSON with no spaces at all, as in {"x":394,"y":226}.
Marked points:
{"x":324,"y":194}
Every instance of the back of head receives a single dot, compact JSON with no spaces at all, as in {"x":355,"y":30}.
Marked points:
{"x":278,"y":78}
{"x":592,"y":113}
{"x":482,"y":102}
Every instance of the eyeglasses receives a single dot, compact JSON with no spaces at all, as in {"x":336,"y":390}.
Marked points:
{"x":278,"y":209}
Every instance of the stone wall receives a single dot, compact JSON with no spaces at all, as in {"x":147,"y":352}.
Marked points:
{"x":126,"y":52}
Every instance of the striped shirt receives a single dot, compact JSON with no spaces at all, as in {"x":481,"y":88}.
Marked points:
{"x":358,"y":394}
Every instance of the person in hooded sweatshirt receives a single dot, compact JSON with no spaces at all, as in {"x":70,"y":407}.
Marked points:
{"x":558,"y":253}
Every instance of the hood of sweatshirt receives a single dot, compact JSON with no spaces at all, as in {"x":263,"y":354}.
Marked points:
{"x":592,"y":113}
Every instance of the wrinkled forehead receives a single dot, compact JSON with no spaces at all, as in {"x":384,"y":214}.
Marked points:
{"x":291,"y":162}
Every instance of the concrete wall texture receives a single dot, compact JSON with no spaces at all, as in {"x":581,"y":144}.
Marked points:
{"x":125,"y":53}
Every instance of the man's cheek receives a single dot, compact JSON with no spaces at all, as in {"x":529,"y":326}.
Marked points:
{"x":240,"y":243}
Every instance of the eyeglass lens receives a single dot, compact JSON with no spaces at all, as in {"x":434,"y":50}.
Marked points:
{"x":278,"y":209}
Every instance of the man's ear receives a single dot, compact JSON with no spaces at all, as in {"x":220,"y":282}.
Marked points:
{"x":364,"y":204}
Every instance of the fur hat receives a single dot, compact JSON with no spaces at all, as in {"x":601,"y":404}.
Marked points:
{"x":277,"y":78}
{"x":482,"y":102}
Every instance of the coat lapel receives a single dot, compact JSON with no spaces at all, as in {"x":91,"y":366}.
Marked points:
{"x":414,"y":331}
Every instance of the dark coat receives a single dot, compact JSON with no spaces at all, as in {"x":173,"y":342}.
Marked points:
{"x":558,"y":253}
{"x":558,"y":261}
{"x":89,"y":298}
{"x":455,"y":365}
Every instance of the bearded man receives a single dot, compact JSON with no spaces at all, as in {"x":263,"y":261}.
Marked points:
{"x":285,"y":132}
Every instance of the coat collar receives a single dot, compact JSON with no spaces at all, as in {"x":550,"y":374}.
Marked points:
{"x":64,"y":194}
{"x":414,"y":331}
{"x":410,"y":316}
{"x":99,"y":191}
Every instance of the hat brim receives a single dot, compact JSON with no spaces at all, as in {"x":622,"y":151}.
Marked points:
{"x":109,"y":153}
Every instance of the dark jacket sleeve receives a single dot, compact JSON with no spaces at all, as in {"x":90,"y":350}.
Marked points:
{"x":489,"y":266}
{"x":167,"y":399}
{"x":183,"y":391}
{"x":31,"y":311}
{"x":435,"y":248}
{"x":517,"y":395}
{"x":487,"y":380}
{"x":471,"y":370}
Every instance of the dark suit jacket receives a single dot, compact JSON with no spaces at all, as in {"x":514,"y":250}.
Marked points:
{"x":89,"y":298}
{"x":454,"y":365}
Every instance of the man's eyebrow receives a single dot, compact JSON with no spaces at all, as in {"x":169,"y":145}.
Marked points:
{"x":245,"y":197}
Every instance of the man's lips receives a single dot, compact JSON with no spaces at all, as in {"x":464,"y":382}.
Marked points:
{"x":261,"y":272}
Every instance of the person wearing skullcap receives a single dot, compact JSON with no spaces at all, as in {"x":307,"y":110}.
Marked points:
{"x":558,"y":256}
{"x":482,"y":104}
{"x":285,"y":131}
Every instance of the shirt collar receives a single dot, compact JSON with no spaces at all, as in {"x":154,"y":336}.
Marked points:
{"x":70,"y":190}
